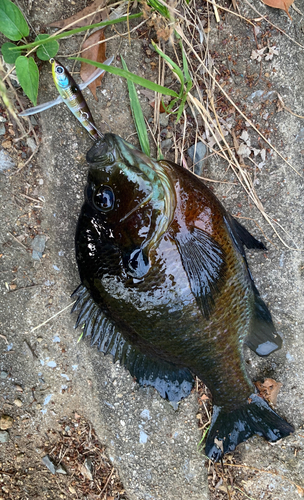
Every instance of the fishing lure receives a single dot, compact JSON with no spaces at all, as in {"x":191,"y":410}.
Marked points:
{"x":70,"y":94}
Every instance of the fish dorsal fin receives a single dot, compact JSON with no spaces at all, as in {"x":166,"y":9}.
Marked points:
{"x":204,"y":263}
{"x":169,"y":380}
{"x":262,"y":339}
{"x":242,"y":236}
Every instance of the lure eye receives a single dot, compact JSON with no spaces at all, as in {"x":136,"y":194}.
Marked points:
{"x":59,"y":70}
{"x":104,"y":198}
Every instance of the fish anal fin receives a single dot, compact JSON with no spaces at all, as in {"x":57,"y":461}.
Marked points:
{"x":204,"y":263}
{"x":171,"y":381}
{"x":230,"y":428}
{"x":262,"y":338}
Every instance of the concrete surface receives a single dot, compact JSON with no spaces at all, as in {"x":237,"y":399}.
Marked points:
{"x":153,"y":446}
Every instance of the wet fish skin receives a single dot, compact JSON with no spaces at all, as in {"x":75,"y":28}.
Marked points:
{"x":165,"y":264}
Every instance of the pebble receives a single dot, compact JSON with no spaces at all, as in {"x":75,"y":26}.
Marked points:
{"x":6,"y":422}
{"x":33,"y":120}
{"x":31,"y":144}
{"x":200,"y":154}
{"x":4,"y":436}
{"x":2,"y":129}
{"x":166,"y":145}
{"x":49,"y":464}
{"x":38,"y":246}
{"x":61,"y":470}
{"x":3,"y":374}
{"x":163,"y":119}
{"x":6,"y":161}
{"x":18,"y":402}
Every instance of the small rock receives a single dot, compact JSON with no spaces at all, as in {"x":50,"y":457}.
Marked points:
{"x":3,"y":374}
{"x":163,"y":119}
{"x":2,"y":129}
{"x":31,"y":144}
{"x":18,"y":402}
{"x":200,"y":154}
{"x":33,"y":120}
{"x":60,"y":470}
{"x":18,"y":388}
{"x":6,"y":161}
{"x":2,"y":119}
{"x":49,"y":464}
{"x":166,"y":145}
{"x":6,"y":422}
{"x":4,"y":436}
{"x":38,"y":246}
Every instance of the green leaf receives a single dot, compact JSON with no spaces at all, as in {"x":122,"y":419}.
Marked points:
{"x":9,"y":56}
{"x":28,"y":76}
{"x":138,"y":116}
{"x":79,"y":30}
{"x":130,"y":76}
{"x":48,"y":50}
{"x":12,"y":23}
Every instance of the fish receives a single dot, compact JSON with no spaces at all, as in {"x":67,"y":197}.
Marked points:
{"x":70,"y":94}
{"x":167,"y":291}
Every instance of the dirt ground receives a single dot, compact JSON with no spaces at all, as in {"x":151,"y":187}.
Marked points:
{"x":66,"y":401}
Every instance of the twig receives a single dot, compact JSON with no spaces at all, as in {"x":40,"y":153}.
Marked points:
{"x":26,"y":163}
{"x":16,"y":239}
{"x":52,"y":317}
{"x":272,"y":472}
{"x":107,"y":482}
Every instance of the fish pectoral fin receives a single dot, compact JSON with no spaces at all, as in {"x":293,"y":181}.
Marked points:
{"x":244,"y":236}
{"x":204,"y":262}
{"x":230,"y":428}
{"x":262,"y":339}
{"x":171,"y":381}
{"x":136,"y":263}
{"x":41,"y":107}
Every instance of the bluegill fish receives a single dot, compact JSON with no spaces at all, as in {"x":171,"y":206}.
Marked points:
{"x":70,"y":94}
{"x":166,"y":289}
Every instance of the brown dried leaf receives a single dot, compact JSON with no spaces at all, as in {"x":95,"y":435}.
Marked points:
{"x":269,"y":389}
{"x":300,"y":490}
{"x":96,"y":53}
{"x":279,"y":4}
{"x":96,"y":17}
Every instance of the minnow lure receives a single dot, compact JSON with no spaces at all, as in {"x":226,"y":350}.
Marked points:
{"x":70,"y":94}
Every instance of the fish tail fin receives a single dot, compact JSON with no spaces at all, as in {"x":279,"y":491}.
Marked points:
{"x":230,"y":428}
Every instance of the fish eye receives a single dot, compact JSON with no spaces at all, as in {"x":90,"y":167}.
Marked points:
{"x":104,"y":198}
{"x":59,"y":70}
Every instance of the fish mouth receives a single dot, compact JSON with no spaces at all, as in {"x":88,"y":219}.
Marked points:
{"x":112,"y":151}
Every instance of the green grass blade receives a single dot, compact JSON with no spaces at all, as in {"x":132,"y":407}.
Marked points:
{"x":78,"y":30}
{"x":159,"y":7}
{"x":130,"y":76}
{"x":138,"y":116}
{"x":175,"y":68}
